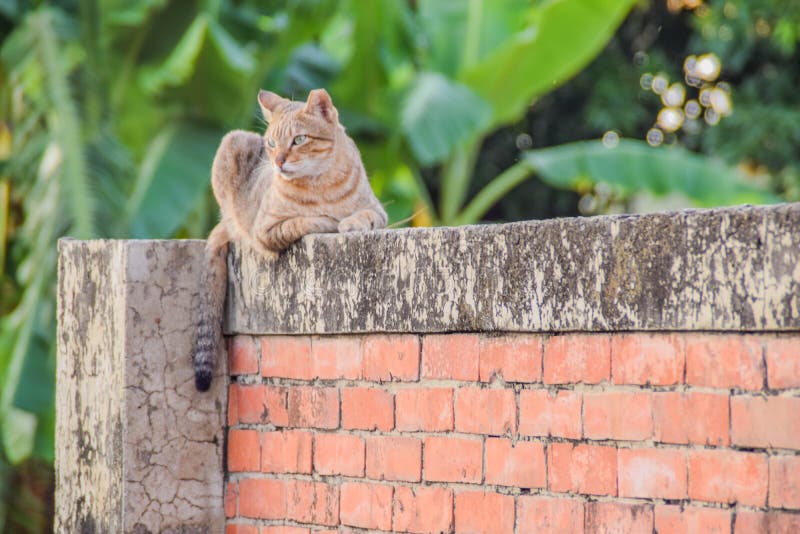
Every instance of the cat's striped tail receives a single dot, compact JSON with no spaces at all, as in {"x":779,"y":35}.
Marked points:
{"x":212,"y":300}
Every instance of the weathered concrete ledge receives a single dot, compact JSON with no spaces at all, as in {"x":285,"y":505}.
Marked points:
{"x":733,"y":269}
{"x":137,"y":448}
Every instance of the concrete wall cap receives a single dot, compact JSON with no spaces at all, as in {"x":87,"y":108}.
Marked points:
{"x":731,"y":269}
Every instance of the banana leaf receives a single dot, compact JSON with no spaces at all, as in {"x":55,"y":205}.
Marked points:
{"x":439,"y":115}
{"x":559,"y":39}
{"x":630,"y":167}
{"x":176,"y":172}
{"x":206,"y":70}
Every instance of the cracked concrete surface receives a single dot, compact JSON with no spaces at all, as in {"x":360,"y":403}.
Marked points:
{"x":732,"y":269}
{"x":137,"y":448}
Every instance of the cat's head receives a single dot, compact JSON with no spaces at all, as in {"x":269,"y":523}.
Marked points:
{"x":300,"y":136}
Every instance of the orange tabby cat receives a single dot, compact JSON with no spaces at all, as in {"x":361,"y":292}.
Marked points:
{"x":303,"y":176}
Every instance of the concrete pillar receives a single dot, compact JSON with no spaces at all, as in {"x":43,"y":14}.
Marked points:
{"x":137,"y":448}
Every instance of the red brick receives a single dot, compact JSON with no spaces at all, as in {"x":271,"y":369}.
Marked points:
{"x":486,"y":411}
{"x":231,"y":498}
{"x":312,"y":502}
{"x":424,"y":409}
{"x":450,"y":356}
{"x":394,"y":458}
{"x":284,"y":529}
{"x":478,"y":511}
{"x":652,"y":473}
{"x":260,"y":404}
{"x":618,"y":415}
{"x":287,"y":451}
{"x":784,"y":482}
{"x":447,"y":459}
{"x":422,"y":509}
{"x":339,"y":454}
{"x":546,"y":514}
{"x":315,"y":407}
{"x":244,"y":451}
{"x":728,"y":476}
{"x":724,"y":361}
{"x":573,"y":358}
{"x":750,"y":522}
{"x":783,"y":361}
{"x":391,"y":357}
{"x":336,"y":357}
{"x":696,"y":418}
{"x":673,"y":519}
{"x":514,"y":357}
{"x":544,"y":414}
{"x":655,"y":359}
{"x":262,"y":498}
{"x":240,"y":528}
{"x":612,"y":517}
{"x":287,"y":357}
{"x":521,"y":465}
{"x":367,"y":409}
{"x":765,"y":422}
{"x":242,"y":356}
{"x":233,"y":404}
{"x":366,"y":505}
{"x":582,"y":468}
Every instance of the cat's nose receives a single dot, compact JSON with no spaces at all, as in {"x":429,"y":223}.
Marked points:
{"x":279,"y":161}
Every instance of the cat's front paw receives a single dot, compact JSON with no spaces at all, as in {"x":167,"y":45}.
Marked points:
{"x":355,"y":224}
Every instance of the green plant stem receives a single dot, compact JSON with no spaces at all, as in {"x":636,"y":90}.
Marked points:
{"x":123,"y":81}
{"x":500,"y":186}
{"x":424,"y":195}
{"x":456,"y":174}
{"x":94,"y":83}
{"x":473,"y":34}
{"x":5,"y":204}
{"x":147,"y":170}
{"x":66,"y":128}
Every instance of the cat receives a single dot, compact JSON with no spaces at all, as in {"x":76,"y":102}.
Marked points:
{"x":303,"y":176}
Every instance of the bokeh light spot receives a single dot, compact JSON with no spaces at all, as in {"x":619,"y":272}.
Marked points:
{"x":610,"y":139}
{"x":655,"y":137}
{"x":692,"y":109}
{"x":524,"y":141}
{"x":670,"y":119}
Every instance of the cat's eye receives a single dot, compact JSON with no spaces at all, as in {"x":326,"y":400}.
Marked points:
{"x":271,"y":142}
{"x":299,"y":140}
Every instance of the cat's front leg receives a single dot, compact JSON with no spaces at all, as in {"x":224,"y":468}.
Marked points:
{"x":362,"y":221}
{"x":277,"y":235}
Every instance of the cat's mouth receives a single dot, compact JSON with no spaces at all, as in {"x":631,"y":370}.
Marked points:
{"x":287,"y":172}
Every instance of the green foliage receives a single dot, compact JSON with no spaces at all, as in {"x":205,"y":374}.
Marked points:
{"x":633,"y":167}
{"x":470,"y":67}
{"x":440,"y":114}
{"x":624,"y":170}
{"x":205,"y":64}
{"x":159,"y":204}
{"x":557,"y":40}
{"x":757,"y":42}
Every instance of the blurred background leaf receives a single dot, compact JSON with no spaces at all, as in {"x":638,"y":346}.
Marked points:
{"x":556,"y":41}
{"x":172,"y":179}
{"x":464,"y":111}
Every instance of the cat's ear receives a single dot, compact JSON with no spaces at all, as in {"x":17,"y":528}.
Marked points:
{"x":268,"y":102}
{"x":319,"y":103}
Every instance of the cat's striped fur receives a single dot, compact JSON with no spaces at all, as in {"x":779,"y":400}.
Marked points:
{"x":303,"y":176}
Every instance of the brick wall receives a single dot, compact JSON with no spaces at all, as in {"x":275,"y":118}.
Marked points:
{"x":516,"y":433}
